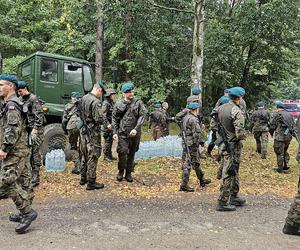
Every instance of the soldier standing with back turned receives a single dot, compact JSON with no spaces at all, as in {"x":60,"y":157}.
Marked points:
{"x":70,"y":121}
{"x":232,"y":120}
{"x":260,"y":120}
{"x":15,"y":176}
{"x":292,"y":222}
{"x":282,"y":128}
{"x":128,"y":117}
{"x":157,"y":121}
{"x":35,"y":128}
{"x":90,"y":110}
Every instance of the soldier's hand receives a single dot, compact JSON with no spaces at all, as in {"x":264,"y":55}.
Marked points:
{"x":115,"y":137}
{"x":133,"y":133}
{"x":2,"y":155}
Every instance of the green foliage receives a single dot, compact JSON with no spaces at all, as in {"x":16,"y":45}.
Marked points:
{"x":255,"y":44}
{"x":10,"y":64}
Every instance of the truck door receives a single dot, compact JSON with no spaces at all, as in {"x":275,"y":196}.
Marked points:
{"x":48,"y":87}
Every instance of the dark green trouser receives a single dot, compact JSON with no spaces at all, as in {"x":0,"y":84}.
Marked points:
{"x":281,"y":151}
{"x":230,"y":182}
{"x":261,"y":138}
{"x":108,"y":142}
{"x":74,"y":137}
{"x":126,"y":149}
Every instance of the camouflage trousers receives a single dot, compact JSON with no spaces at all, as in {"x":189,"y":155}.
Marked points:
{"x":126,"y":149}
{"x":90,"y":149}
{"x":261,"y":138}
{"x":108,"y":142}
{"x":36,"y":158}
{"x":74,"y":138}
{"x":192,"y":162}
{"x":281,"y":151}
{"x":230,"y":185}
{"x":15,"y":179}
{"x":293,"y":218}
{"x":157,"y":132}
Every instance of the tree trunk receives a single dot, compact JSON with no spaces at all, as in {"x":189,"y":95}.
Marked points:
{"x":99,"y":40}
{"x":198,"y":44}
{"x":247,"y":66}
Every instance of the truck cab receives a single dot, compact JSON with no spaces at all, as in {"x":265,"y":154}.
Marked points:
{"x":53,"y":77}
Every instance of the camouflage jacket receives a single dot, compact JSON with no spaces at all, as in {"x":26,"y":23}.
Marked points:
{"x":71,"y":116}
{"x":298,"y":135}
{"x":107,"y":110}
{"x":282,"y":126}
{"x":91,"y":108}
{"x":127,"y":116}
{"x":260,"y":120}
{"x":158,"y":118}
{"x":13,"y":129}
{"x":192,"y":130}
{"x":232,"y":119}
{"x":33,"y":108}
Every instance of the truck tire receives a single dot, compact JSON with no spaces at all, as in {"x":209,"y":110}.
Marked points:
{"x":54,"y":138}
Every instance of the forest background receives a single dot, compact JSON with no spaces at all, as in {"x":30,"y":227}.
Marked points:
{"x":251,"y":43}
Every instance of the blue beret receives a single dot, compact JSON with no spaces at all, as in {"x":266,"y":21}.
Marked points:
{"x":127,"y":87}
{"x":260,"y":103}
{"x":101,"y":85}
{"x":226,"y":91}
{"x":10,"y":78}
{"x":75,"y":94}
{"x":157,"y":104}
{"x":196,"y":91}
{"x":236,"y":92}
{"x":193,"y":105}
{"x":280,"y":105}
{"x":22,"y":84}
{"x":224,"y":100}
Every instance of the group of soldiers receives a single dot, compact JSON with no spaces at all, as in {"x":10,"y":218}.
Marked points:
{"x":97,"y":113}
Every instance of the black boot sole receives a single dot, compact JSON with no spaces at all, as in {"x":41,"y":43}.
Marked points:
{"x":21,"y":231}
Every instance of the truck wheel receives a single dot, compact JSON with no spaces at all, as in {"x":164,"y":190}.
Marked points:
{"x":54,"y":138}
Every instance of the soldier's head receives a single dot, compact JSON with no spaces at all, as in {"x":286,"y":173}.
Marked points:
{"x":8,"y":84}
{"x":224,"y":100}
{"x":194,"y":107}
{"x":111,"y":94}
{"x":196,"y":91}
{"x":128,"y":90}
{"x":157,"y":105}
{"x":280,"y":105}
{"x":99,"y":89}
{"x":23,"y":89}
{"x":75,"y":96}
{"x":226,"y":91}
{"x":165,"y":105}
{"x":260,"y":104}
{"x":236,"y":94}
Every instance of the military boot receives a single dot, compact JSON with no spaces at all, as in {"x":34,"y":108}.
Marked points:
{"x":204,"y":182}
{"x":92,"y":185}
{"x":76,"y":169}
{"x":128,"y":177}
{"x":120,"y":175}
{"x":224,"y":207}
{"x":83,"y":180}
{"x":291,"y":230}
{"x":186,"y":188}
{"x":237,"y":201}
{"x":35,"y":179}
{"x":15,"y":217}
{"x":26,"y":221}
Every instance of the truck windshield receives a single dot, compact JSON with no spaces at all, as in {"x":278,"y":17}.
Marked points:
{"x":87,"y":78}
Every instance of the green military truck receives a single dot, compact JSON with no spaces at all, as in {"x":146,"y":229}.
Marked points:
{"x":53,"y":77}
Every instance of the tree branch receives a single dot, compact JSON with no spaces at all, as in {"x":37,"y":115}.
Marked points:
{"x":169,"y":8}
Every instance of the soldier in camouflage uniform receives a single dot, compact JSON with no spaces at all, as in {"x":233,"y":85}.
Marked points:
{"x":107,"y":107}
{"x":157,"y":121}
{"x":15,"y":176}
{"x":165,"y":107}
{"x":91,"y":115}
{"x":282,"y":128}
{"x":191,"y":135}
{"x":70,"y":122}
{"x":292,"y":222}
{"x":232,"y":120}
{"x":260,"y":120}
{"x":128,"y":117}
{"x":35,"y":128}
